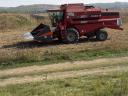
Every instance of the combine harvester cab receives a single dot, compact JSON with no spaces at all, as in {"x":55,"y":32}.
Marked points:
{"x":72,"y":21}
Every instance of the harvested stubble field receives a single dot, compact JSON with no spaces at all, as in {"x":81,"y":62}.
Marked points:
{"x":106,"y":62}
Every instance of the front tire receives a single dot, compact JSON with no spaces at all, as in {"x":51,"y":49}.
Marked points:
{"x":101,"y":35}
{"x":72,"y":36}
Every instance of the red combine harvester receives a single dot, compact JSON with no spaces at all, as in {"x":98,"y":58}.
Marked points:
{"x":73,"y":21}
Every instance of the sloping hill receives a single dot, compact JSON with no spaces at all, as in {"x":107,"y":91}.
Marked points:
{"x":116,"y":5}
{"x":38,"y":8}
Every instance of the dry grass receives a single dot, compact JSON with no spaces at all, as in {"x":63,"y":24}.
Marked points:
{"x":18,"y":22}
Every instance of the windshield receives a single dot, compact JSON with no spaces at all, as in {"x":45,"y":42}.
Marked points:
{"x":55,"y":17}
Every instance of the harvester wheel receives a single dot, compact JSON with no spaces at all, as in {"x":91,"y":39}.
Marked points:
{"x":72,"y":36}
{"x":101,"y":35}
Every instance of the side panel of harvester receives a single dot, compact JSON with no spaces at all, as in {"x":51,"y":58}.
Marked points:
{"x":89,"y":19}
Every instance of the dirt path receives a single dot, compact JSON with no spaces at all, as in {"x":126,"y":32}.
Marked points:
{"x":63,"y":66}
{"x":63,"y":70}
{"x":60,"y":75}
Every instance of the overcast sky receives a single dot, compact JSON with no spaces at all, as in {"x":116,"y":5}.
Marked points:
{"x":12,"y":3}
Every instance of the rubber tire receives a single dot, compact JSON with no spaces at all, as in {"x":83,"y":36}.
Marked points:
{"x":72,"y":36}
{"x":101,"y":35}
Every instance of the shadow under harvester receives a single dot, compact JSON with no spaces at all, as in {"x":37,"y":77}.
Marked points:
{"x":33,"y":44}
